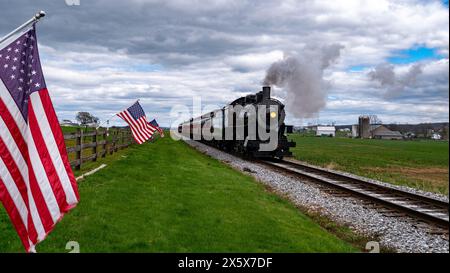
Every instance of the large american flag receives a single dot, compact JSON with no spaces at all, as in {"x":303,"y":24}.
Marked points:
{"x":37,"y":185}
{"x":136,"y":119}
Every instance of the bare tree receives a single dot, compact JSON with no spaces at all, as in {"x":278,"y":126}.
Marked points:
{"x":374,"y":119}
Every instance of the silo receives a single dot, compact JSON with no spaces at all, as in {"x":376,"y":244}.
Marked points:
{"x":364,"y":127}
{"x":355,"y":131}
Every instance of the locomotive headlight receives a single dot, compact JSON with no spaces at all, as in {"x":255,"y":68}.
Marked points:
{"x":273,"y":114}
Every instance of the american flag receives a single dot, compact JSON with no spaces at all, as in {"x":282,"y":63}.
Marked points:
{"x":37,"y":185}
{"x":156,"y":125}
{"x":136,"y":119}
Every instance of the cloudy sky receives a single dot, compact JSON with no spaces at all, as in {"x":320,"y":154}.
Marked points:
{"x":102,"y":55}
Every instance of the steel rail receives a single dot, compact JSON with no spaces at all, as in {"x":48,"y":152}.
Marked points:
{"x":417,"y":206}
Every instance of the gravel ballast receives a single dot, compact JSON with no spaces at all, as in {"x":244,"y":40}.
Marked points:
{"x":395,"y":233}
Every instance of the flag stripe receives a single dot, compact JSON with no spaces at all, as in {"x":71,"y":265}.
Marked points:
{"x":136,"y":137}
{"x":12,"y":128}
{"x":45,"y":166}
{"x":144,"y":128}
{"x":54,"y":154}
{"x":39,"y":211}
{"x":155,"y":125}
{"x":21,"y":164}
{"x":5,"y":154}
{"x":141,"y":132}
{"x":134,"y":127}
{"x":13,"y":190}
{"x":150,"y":126}
{"x":41,"y":190}
{"x":133,"y":130}
{"x":59,"y":139}
{"x":41,"y":179}
{"x":15,"y":198}
{"x":16,"y":187}
{"x":12,"y":209}
{"x":14,"y":150}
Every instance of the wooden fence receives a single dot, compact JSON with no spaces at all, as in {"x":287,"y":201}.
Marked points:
{"x":84,"y":147}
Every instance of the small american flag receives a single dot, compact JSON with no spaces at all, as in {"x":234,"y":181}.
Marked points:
{"x":136,"y":119}
{"x":156,"y":125}
{"x":37,"y":185}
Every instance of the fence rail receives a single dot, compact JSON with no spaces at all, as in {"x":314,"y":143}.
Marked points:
{"x":89,"y":146}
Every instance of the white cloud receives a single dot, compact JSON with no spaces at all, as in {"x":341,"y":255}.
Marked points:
{"x":102,"y":55}
{"x":253,"y":61}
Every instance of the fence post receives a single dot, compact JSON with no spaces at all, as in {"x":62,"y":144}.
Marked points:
{"x":113,"y":142}
{"x":78,"y":148}
{"x":94,"y":140}
{"x":122,"y":135}
{"x":104,"y":151}
{"x":119,"y":140}
{"x":116,"y":141}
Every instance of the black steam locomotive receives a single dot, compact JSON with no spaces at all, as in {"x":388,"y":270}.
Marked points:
{"x":243,"y":127}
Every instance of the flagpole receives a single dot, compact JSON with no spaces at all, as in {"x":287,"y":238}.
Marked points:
{"x":107,"y":121}
{"x":115,"y":115}
{"x":35,"y":18}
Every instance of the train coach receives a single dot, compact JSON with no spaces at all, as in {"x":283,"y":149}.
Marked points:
{"x":247,"y":126}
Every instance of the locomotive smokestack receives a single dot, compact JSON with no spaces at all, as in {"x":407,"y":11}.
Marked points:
{"x":266,"y":92}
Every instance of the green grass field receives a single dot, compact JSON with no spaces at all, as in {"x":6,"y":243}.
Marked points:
{"x":421,"y":164}
{"x":167,"y":197}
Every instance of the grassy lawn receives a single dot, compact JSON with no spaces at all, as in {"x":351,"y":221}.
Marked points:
{"x":167,"y":197}
{"x":421,"y":164}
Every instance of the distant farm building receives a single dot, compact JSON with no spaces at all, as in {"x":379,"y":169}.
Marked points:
{"x":355,"y":131}
{"x":325,"y":131}
{"x":409,"y":135}
{"x":364,"y":127}
{"x":436,"y":136}
{"x":67,"y":122}
{"x":382,"y":132}
{"x":435,"y":131}
{"x":377,"y":131}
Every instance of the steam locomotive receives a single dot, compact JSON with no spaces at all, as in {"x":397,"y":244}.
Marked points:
{"x":252,"y":126}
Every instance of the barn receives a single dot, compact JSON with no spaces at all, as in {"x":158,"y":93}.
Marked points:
{"x":382,"y":132}
{"x":325,"y":131}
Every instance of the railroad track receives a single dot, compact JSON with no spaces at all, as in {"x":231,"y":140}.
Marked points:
{"x":397,"y":202}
